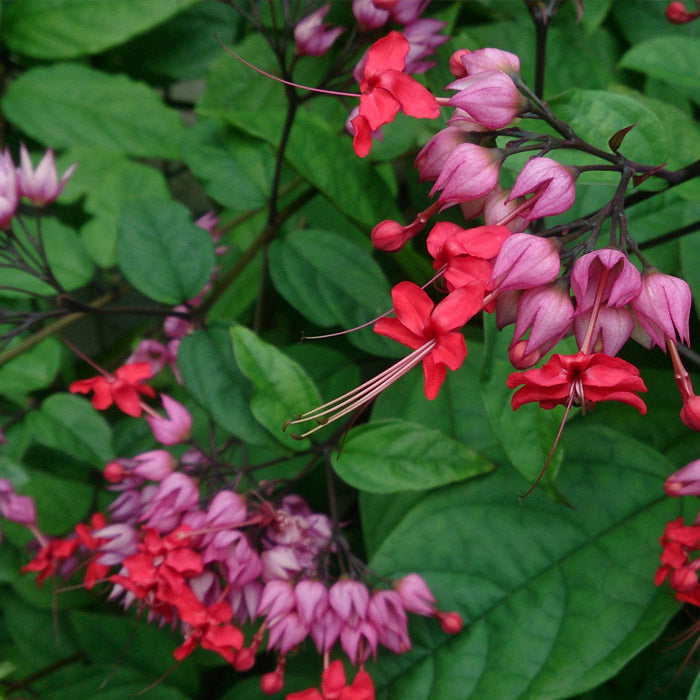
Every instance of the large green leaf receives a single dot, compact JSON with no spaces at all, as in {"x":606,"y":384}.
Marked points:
{"x":33,"y":369}
{"x":68,"y":104}
{"x":596,"y":115}
{"x":67,"y":257}
{"x":59,"y":29}
{"x":671,"y":58}
{"x":210,"y":372}
{"x":70,"y":424}
{"x":161,"y":251}
{"x":305,"y":269}
{"x":394,"y":455}
{"x":555,"y":599}
{"x":281,"y":388}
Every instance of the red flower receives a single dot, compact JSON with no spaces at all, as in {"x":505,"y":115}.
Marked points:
{"x":213,"y":631}
{"x":421,"y":324}
{"x":581,"y":378}
{"x":51,"y":557}
{"x":385,"y":89}
{"x":333,"y":686}
{"x":123,"y":388}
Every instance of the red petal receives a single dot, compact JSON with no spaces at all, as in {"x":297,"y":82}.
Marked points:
{"x":415,"y":100}
{"x":388,"y":53}
{"x":102,"y":397}
{"x":127,"y":399}
{"x":394,"y":329}
{"x":362,"y":136}
{"x":434,"y":375}
{"x":378,"y":106}
{"x":451,"y":350}
{"x":482,"y":241}
{"x":439,"y":235}
{"x":134,"y":372}
{"x":458,"y":307}
{"x":412,"y":307}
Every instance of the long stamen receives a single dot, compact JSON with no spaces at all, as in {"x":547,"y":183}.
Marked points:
{"x":282,"y":80}
{"x":363,"y":394}
{"x":569,"y":404}
{"x":436,"y":276}
{"x":595,"y":311}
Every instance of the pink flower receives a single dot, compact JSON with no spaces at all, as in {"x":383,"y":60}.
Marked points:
{"x":489,"y":97}
{"x":312,"y":37}
{"x":40,"y":186}
{"x":605,"y":275}
{"x":175,"y":495}
{"x":8,"y":189}
{"x":368,"y":15}
{"x":473,"y":62}
{"x":122,"y":389}
{"x":611,"y":329}
{"x":385,"y":89}
{"x":415,"y":595}
{"x":349,"y":599}
{"x":16,"y":508}
{"x":551,"y":184}
{"x":154,"y":465}
{"x":525,"y":261}
{"x":387,"y":614}
{"x":422,"y":35}
{"x":421,"y":325}
{"x":469,"y":172}
{"x":432,"y":157}
{"x":662,"y":307}
{"x":684,"y":482}
{"x":176,"y":427}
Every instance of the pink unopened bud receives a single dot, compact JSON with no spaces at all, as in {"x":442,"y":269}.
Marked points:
{"x":432,"y":157}
{"x":662,"y":307}
{"x":244,"y":659}
{"x":690,"y":413}
{"x":390,"y":236}
{"x":312,"y":37}
{"x":548,"y":312}
{"x":490,"y":59}
{"x":311,"y":600}
{"x":500,"y":208}
{"x":520,"y":358}
{"x":470,"y":172}
{"x":611,"y":271}
{"x":415,"y":595}
{"x":525,"y":261}
{"x":451,"y":622}
{"x":684,"y":482}
{"x":349,"y":599}
{"x":272,"y":683}
{"x":40,"y":186}
{"x":277,"y":599}
{"x":457,"y":65}
{"x":551,"y":184}
{"x":176,"y":427}
{"x":489,"y":97}
{"x":16,"y":508}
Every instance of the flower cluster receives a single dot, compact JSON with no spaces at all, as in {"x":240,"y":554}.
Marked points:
{"x":209,"y":561}
{"x":39,"y":186}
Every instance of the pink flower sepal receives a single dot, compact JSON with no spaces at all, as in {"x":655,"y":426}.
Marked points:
{"x":684,"y":482}
{"x":611,"y":330}
{"x":662,"y":307}
{"x":611,"y":271}
{"x":174,"y":429}
{"x":40,"y":186}
{"x":8,"y":189}
{"x":525,"y":261}
{"x":551,"y":184}
{"x":419,"y":323}
{"x":489,"y":97}
{"x":312,"y":37}
{"x":464,"y":62}
{"x":122,"y":389}
{"x":16,"y":508}
{"x":470,"y":172}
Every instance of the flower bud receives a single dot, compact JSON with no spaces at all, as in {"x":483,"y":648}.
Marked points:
{"x":684,"y":482}
{"x":312,"y":37}
{"x":690,"y":413}
{"x":525,"y":261}
{"x":550,"y":183}
{"x":610,"y":269}
{"x":176,"y":427}
{"x":470,"y":172}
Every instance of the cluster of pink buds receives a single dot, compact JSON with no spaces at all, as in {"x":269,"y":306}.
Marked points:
{"x":210,"y":562}
{"x":40,"y":186}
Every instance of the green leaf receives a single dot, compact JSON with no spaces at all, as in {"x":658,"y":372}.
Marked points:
{"x":236,"y":170}
{"x":66,"y":255}
{"x":70,"y":424}
{"x":671,"y":58}
{"x":57,"y":29}
{"x":398,"y":456}
{"x":554,"y":599}
{"x":281,"y":388}
{"x":210,"y":373}
{"x":305,"y":270}
{"x":67,"y":105}
{"x":104,"y":638}
{"x":120,"y":183}
{"x":33,"y":369}
{"x":596,"y":115}
{"x":161,"y":251}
